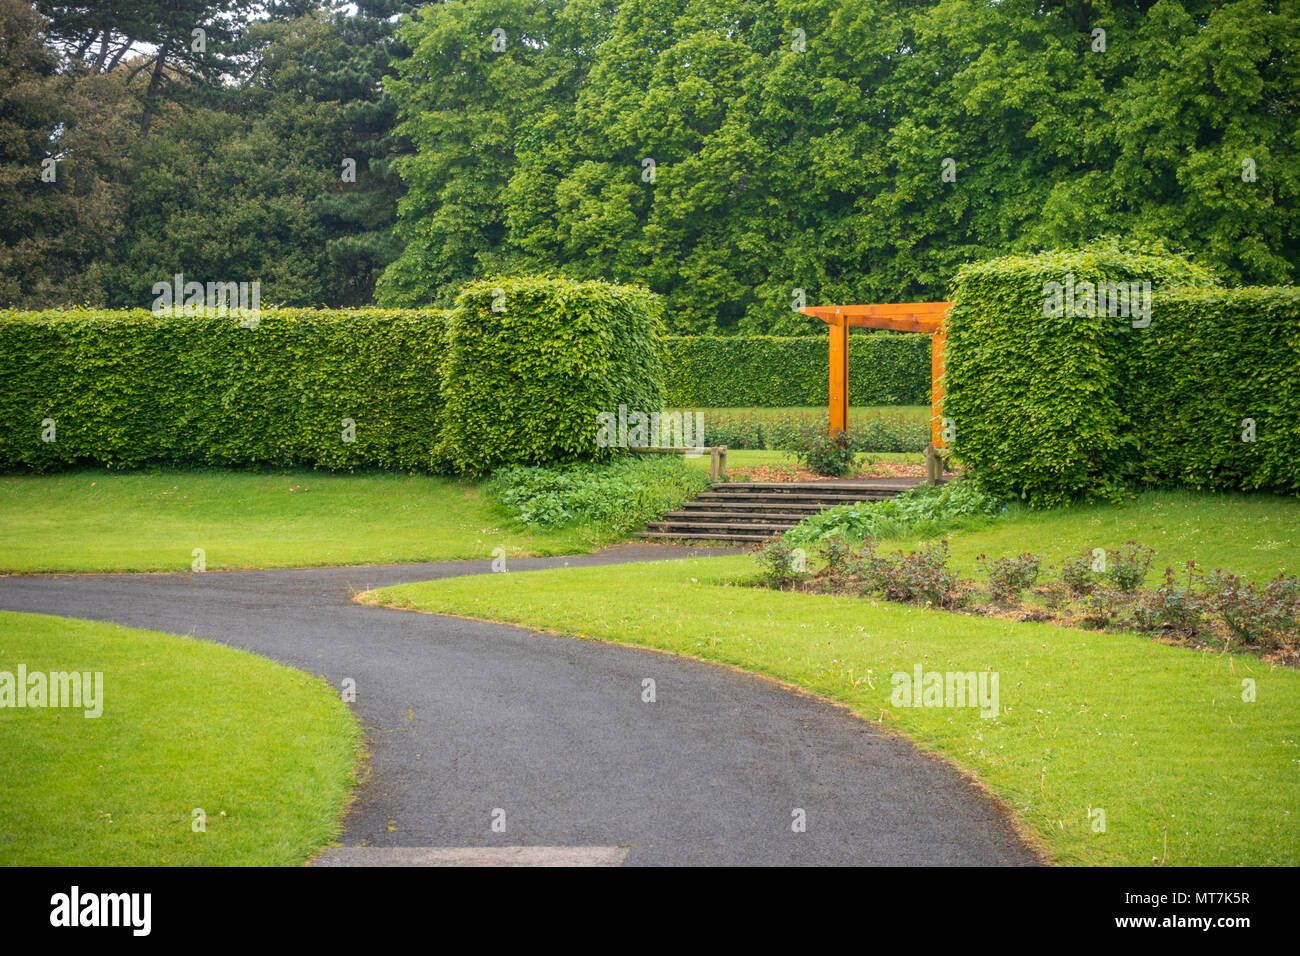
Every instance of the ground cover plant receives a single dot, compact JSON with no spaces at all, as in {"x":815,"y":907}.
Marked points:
{"x":616,"y":497}
{"x":267,"y":753}
{"x":925,"y":510}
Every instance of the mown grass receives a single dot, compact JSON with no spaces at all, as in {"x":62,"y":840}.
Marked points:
{"x":1161,"y":739}
{"x":1254,"y":535}
{"x":268,"y":754}
{"x":100,"y":520}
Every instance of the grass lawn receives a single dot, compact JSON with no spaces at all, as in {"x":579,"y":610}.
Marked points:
{"x":1159,"y":738}
{"x":1254,"y":535}
{"x":751,"y":458}
{"x":917,"y":413}
{"x":267,"y":752}
{"x":100,"y":520}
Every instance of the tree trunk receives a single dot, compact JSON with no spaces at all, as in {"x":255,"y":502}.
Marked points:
{"x":154,"y":82}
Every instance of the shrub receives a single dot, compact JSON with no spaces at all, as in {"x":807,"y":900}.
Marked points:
{"x":533,"y":360}
{"x":1252,"y":613}
{"x":1042,"y":404}
{"x":823,"y":454}
{"x":617,"y":496}
{"x":922,"y":577}
{"x":1171,"y":605}
{"x":1102,"y":606}
{"x":740,"y":371}
{"x":840,"y":561}
{"x":1127,"y":567}
{"x":782,"y":563}
{"x":1009,"y":576}
{"x":1077,"y":574}
{"x":880,"y":433}
{"x":130,"y":388}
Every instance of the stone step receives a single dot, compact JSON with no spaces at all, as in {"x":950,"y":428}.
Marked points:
{"x":808,"y":498}
{"x":734,"y":515}
{"x":740,"y":507}
{"x":689,"y":527}
{"x":679,"y":536}
{"x":750,"y":512}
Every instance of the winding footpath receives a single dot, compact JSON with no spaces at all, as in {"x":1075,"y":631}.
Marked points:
{"x":467,"y":718}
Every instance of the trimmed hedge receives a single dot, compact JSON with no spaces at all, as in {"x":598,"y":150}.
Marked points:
{"x":885,"y":368}
{"x":1213,"y":358}
{"x":131,"y":388}
{"x":1056,"y":408}
{"x":524,"y":382}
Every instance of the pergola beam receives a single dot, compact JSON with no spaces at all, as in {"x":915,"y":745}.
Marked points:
{"x":923,"y":317}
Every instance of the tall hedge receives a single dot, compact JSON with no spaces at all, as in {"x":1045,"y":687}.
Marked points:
{"x":1045,"y":407}
{"x":533,"y":360}
{"x":769,"y":371}
{"x":1219,"y":368}
{"x":131,"y":388}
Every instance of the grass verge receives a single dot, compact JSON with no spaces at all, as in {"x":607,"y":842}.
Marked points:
{"x":100,"y":520}
{"x":1253,"y":535}
{"x":267,"y":752}
{"x":1162,"y":740}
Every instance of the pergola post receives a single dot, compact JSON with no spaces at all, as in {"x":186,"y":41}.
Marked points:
{"x":937,"y":341}
{"x":926,"y":317}
{"x":839,"y":385}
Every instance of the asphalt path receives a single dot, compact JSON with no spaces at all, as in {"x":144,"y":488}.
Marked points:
{"x":473,"y":724}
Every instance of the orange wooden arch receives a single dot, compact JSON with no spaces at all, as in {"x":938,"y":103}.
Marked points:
{"x":927,"y":317}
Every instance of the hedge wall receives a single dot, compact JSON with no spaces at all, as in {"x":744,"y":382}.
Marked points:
{"x":130,"y":388}
{"x":1052,"y":408}
{"x":1213,"y":359}
{"x":768,"y":371}
{"x":532,"y":360}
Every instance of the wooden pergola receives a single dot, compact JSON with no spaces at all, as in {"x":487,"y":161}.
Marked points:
{"x":926,"y":317}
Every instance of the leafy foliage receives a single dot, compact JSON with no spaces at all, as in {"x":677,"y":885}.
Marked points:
{"x":1227,"y":360}
{"x":780,"y":563}
{"x":130,"y":388}
{"x":1009,"y":576}
{"x":880,"y":433}
{"x":823,"y":454}
{"x":712,"y":371}
{"x":1127,"y":566}
{"x":1043,"y":405}
{"x":923,"y":510}
{"x":618,"y":496}
{"x":532,"y":361}
{"x":780,"y":168}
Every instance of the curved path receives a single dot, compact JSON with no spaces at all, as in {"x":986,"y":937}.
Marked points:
{"x":466,"y":717}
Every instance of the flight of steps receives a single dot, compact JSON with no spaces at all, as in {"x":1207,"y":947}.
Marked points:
{"x":747,"y":512}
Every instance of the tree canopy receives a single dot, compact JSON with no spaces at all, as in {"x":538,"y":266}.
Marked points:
{"x":735,"y":156}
